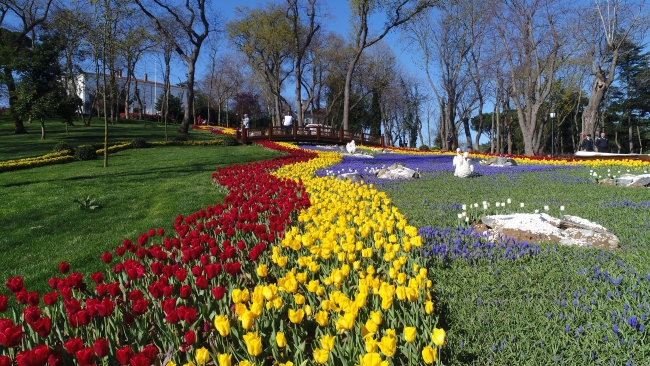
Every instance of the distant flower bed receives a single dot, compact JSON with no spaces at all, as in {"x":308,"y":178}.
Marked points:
{"x":289,"y":268}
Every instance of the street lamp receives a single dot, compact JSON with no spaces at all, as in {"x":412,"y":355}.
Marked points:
{"x":552,"y":115}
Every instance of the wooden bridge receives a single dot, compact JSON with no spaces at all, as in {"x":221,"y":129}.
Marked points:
{"x":314,"y":133}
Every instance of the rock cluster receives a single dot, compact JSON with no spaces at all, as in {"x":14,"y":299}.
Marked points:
{"x":498,"y":161}
{"x":628,"y":180}
{"x":395,"y":171}
{"x":569,"y":230}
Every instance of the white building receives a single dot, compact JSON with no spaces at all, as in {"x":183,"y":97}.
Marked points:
{"x":148,"y":90}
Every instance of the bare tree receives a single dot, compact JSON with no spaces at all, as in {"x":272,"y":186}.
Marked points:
{"x":193,"y":20}
{"x":532,"y":40}
{"x":398,"y":12}
{"x":619,"y":21}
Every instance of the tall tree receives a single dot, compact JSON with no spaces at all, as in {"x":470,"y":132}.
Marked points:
{"x":397,"y":13}
{"x":29,"y":14}
{"x":264,"y":37}
{"x":192,"y":19}
{"x":618,"y":21}
{"x":302,"y":33}
{"x":532,"y":38}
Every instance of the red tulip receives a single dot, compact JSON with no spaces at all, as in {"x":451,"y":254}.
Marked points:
{"x":31,"y":314}
{"x":51,"y":298}
{"x":73,"y":345}
{"x":181,"y":274}
{"x":135,"y":295}
{"x":33,"y":298}
{"x":85,"y":356}
{"x":10,"y":335}
{"x":190,"y":337}
{"x":114,"y":289}
{"x":54,"y":359}
{"x":53,"y":282}
{"x":140,"y":360}
{"x":101,"y":347}
{"x":107,"y":257}
{"x":14,"y":284}
{"x":3,"y":303}
{"x":161,"y":232}
{"x":42,"y":326}
{"x":124,"y":355}
{"x":140,"y":306}
{"x":150,"y":352}
{"x":185,"y":292}
{"x":97,"y":277}
{"x":218,"y":292}
{"x":201,"y":283}
{"x":5,"y":361}
{"x":64,"y":267}
{"x":105,"y":308}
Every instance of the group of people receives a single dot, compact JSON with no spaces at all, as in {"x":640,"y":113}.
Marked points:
{"x":287,"y":122}
{"x":602,"y":143}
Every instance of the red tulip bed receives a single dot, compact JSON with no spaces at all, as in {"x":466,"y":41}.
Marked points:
{"x":157,"y":287}
{"x":168,"y":299}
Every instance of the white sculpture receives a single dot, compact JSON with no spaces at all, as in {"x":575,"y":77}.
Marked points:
{"x":351,"y":147}
{"x":464,"y":168}
{"x":457,"y":160}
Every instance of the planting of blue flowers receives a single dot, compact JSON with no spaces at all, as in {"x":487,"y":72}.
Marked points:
{"x":509,"y":301}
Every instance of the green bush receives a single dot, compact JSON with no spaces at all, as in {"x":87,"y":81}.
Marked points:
{"x":230,"y":141}
{"x":138,"y":143}
{"x":85,"y":152}
{"x":424,"y":147}
{"x":62,"y":146}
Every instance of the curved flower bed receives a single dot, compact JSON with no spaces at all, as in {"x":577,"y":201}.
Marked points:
{"x":343,"y":283}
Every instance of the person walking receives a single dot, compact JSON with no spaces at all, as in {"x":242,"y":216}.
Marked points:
{"x":602,"y":143}
{"x":588,"y":143}
{"x":287,"y":123}
{"x":246,"y":122}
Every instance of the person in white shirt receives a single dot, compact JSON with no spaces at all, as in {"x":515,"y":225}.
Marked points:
{"x":287,"y":123}
{"x":246,"y":122}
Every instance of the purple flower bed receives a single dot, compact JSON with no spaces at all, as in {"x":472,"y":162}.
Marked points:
{"x":464,"y":243}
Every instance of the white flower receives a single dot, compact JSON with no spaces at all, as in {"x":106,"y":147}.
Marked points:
{"x":460,"y":216}
{"x":545,"y":208}
{"x":476,"y":205}
{"x":485,"y":207}
{"x":503,"y":204}
{"x":536,"y":211}
{"x":464,"y":207}
{"x":497,"y":204}
{"x":484,"y":202}
{"x":467,"y":219}
{"x":509,"y":201}
{"x":561,"y":208}
{"x":521,"y":205}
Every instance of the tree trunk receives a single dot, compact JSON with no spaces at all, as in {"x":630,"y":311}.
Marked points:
{"x":630,"y":132}
{"x":189,"y":98}
{"x":468,"y":134}
{"x":43,"y":128}
{"x":598,"y":90}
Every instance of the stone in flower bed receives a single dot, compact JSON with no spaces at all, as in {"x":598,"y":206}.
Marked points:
{"x":628,"y":180}
{"x":396,"y":171}
{"x":498,"y":161}
{"x":569,"y":230}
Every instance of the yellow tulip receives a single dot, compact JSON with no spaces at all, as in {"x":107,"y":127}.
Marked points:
{"x":247,"y":319}
{"x":371,"y":343}
{"x":388,"y":346}
{"x":376,"y":317}
{"x":170,"y":363}
{"x":189,"y":364}
{"x":280,"y":339}
{"x":245,"y":363}
{"x":222,"y":325}
{"x":202,"y":356}
{"x":299,"y":299}
{"x":277,"y":302}
{"x":429,"y":355}
{"x":288,"y":363}
{"x":327,"y":342}
{"x":438,"y":336}
{"x":224,"y":359}
{"x":321,"y":318}
{"x":262,"y":270}
{"x":428,"y":307}
{"x":409,"y":334}
{"x":321,"y":356}
{"x":253,"y":343}
{"x":371,"y":359}
{"x":295,"y":316}
{"x":371,"y":326}
{"x":236,"y":296}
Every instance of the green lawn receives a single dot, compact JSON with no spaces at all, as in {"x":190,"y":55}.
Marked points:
{"x":141,"y":189}
{"x":14,"y":146}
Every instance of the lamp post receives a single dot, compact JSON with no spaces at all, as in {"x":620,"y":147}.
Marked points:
{"x":552,"y":115}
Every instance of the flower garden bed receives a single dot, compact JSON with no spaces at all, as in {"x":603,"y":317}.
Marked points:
{"x":297,"y":267}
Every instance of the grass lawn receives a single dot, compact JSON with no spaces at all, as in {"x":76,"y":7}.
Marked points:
{"x":141,"y":189}
{"x":14,"y":146}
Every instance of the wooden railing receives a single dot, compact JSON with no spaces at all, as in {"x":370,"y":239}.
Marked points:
{"x":294,"y":133}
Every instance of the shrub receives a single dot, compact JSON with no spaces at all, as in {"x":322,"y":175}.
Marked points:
{"x":424,"y":147}
{"x":62,"y":146}
{"x":230,"y":141}
{"x":138,"y":143}
{"x":85,"y":152}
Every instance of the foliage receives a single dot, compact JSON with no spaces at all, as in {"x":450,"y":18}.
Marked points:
{"x":138,"y":143}
{"x":424,"y":147}
{"x":176,"y":109}
{"x":62,"y":146}
{"x":87,"y":203}
{"x":247,"y":103}
{"x":229,"y":141}
{"x":85,"y":152}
